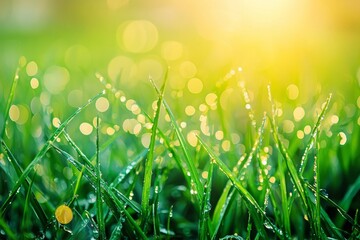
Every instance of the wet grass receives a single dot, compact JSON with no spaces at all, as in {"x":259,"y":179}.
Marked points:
{"x":119,"y":187}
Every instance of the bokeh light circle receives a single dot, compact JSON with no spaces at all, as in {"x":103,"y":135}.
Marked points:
{"x":139,"y":36}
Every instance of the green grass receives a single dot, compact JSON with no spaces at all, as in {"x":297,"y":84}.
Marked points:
{"x":118,"y":188}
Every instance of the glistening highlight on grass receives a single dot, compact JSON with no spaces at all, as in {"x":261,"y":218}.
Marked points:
{"x":174,"y":185}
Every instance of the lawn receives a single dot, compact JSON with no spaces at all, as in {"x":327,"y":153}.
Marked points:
{"x":179,"y":119}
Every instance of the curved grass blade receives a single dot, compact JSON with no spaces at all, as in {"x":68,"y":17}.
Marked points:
{"x":34,"y":203}
{"x":239,"y":169}
{"x":284,"y":198}
{"x":110,"y":195}
{"x":41,"y":153}
{"x":254,"y":208}
{"x":9,"y":101}
{"x":145,"y":206}
{"x":348,"y":198}
{"x":99,"y":205}
{"x":313,"y":135}
{"x":296,"y":178}
{"x":77,"y":186}
{"x":194,"y":176}
{"x":125,"y":171}
{"x":116,"y":233}
{"x":204,"y":223}
{"x":24,"y":221}
{"x":342,"y":212}
{"x":183,"y":167}
{"x":7,"y":229}
{"x":317,"y":214}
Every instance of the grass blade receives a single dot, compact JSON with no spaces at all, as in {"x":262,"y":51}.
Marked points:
{"x":133,"y":164}
{"x":99,"y":205}
{"x":24,"y":221}
{"x":204,"y":224}
{"x":9,"y":101}
{"x":145,"y":206}
{"x":194,"y":176}
{"x":239,"y":169}
{"x":313,"y":134}
{"x":348,"y":198}
{"x":183,"y":167}
{"x":41,"y":153}
{"x":7,"y":229}
{"x":34,"y":202}
{"x":284,"y":198}
{"x":110,"y":195}
{"x":254,"y":208}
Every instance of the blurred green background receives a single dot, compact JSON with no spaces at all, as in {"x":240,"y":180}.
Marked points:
{"x":304,"y":49}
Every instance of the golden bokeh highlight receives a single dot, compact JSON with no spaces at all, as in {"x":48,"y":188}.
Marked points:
{"x":19,"y":114}
{"x":14,"y":113}
{"x":343,"y":138}
{"x":122,"y":67}
{"x":190,"y":110}
{"x":86,"y":128}
{"x":187,"y":69}
{"x":56,"y":78}
{"x":102,"y":104}
{"x":195,"y":85}
{"x":31,"y":68}
{"x":63,"y":214}
{"x":138,"y":36}
{"x":34,"y":83}
{"x":299,"y":113}
{"x":145,"y":139}
{"x":288,"y":126}
{"x":172,"y":50}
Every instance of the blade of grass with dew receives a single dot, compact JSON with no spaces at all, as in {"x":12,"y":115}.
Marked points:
{"x":78,"y":151}
{"x":9,"y":101}
{"x":7,"y":229}
{"x":253,"y":207}
{"x":110,"y":195}
{"x":345,"y":203}
{"x":34,"y":202}
{"x":145,"y":206}
{"x":169,"y":221}
{"x":162,"y":175}
{"x":77,"y":186}
{"x":284,"y":198}
{"x":169,"y":146}
{"x":355,"y":234}
{"x":317,"y":214}
{"x":133,"y":164}
{"x":313,"y":134}
{"x":194,"y":176}
{"x":99,"y":205}
{"x":24,"y":221}
{"x":296,"y":178}
{"x":239,"y":169}
{"x":90,"y":170}
{"x":116,"y":233}
{"x":84,"y":222}
{"x":342,"y":212}
{"x":41,"y":153}
{"x":205,"y":228}
{"x":249,"y":228}
{"x":91,"y":176}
